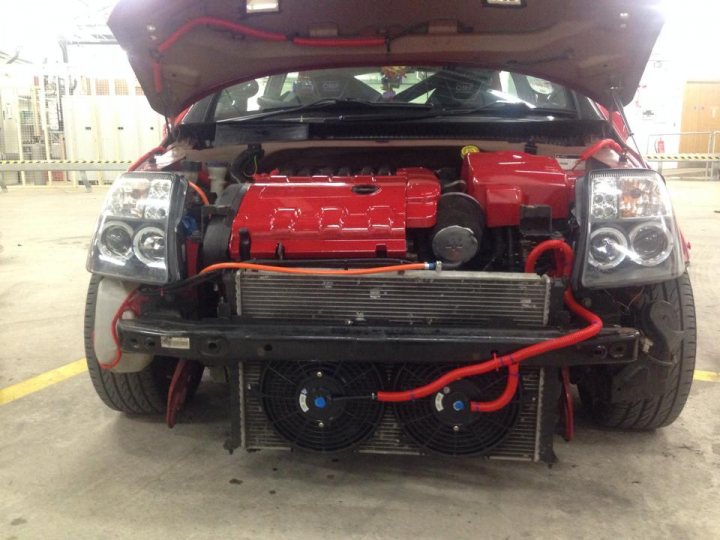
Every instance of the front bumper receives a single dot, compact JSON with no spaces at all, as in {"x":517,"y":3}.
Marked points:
{"x":227,"y":342}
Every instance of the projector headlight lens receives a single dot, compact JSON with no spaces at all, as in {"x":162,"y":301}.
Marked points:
{"x":149,"y":246}
{"x":116,"y":241}
{"x":651,"y":243}
{"x":608,"y":248}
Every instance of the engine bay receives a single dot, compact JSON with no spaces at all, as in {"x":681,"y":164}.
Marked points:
{"x":466,"y":207}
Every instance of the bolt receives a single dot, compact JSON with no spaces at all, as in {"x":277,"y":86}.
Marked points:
{"x":321,"y":424}
{"x":446,"y":390}
{"x":319,"y":374}
{"x":456,"y":428}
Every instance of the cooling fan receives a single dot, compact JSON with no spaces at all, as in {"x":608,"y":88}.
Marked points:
{"x":443,"y":422}
{"x":305,"y":403}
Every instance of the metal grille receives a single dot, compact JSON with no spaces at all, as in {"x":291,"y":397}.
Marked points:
{"x":521,"y":444}
{"x":413,"y":298}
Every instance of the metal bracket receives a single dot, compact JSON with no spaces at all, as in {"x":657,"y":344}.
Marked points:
{"x":234,"y":439}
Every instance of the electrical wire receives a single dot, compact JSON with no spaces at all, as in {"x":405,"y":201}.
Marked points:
{"x":200,"y":193}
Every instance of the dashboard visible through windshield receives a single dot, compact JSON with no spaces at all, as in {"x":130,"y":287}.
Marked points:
{"x":400,"y":86}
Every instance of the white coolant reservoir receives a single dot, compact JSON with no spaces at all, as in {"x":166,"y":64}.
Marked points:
{"x":111,"y":293}
{"x":217,"y":171}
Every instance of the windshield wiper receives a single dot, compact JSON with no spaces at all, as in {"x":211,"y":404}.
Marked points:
{"x":509,"y":108}
{"x":334,"y":105}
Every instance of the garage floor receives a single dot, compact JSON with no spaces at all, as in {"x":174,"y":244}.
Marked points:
{"x":70,"y":468}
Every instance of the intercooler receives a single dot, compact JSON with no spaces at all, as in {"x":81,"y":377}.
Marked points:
{"x":529,"y":439}
{"x":428,"y":298}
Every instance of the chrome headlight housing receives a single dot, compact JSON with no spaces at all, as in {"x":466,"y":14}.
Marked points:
{"x":628,"y":232}
{"x":137,"y":233}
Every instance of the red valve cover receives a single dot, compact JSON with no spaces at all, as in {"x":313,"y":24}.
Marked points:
{"x":326,"y":216}
{"x":503,"y":181}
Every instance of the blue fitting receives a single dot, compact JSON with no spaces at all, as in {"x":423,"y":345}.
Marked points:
{"x":459,"y":405}
{"x":320,"y":402}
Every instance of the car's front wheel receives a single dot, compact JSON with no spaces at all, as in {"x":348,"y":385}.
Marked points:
{"x":651,"y":395}
{"x":141,"y":392}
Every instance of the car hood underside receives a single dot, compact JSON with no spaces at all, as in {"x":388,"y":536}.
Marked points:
{"x":185,"y":49}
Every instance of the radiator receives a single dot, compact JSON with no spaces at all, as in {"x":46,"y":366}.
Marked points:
{"x":524,"y":443}
{"x":412,"y":298}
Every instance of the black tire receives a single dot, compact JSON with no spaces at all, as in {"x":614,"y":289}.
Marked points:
{"x":664,"y":407}
{"x":143,"y":392}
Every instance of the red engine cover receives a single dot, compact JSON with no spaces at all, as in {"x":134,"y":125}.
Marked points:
{"x":355,"y":216}
{"x":503,"y":181}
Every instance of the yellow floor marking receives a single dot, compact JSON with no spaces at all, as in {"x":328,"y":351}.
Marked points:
{"x":37,"y":383}
{"x":710,"y":376}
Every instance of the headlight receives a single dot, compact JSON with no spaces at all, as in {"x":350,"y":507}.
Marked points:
{"x":136,"y":237}
{"x":629,"y":235}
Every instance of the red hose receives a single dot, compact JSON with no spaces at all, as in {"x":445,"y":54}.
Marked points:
{"x":512,"y":360}
{"x":127,"y":305}
{"x":218,"y":23}
{"x":139,"y":161}
{"x":595,"y":148}
{"x":249,"y":31}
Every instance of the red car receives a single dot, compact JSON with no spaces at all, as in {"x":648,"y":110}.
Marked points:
{"x":393,"y":226}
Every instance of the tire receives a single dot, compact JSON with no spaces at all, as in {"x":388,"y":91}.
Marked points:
{"x":663,"y":407}
{"x":143,"y":392}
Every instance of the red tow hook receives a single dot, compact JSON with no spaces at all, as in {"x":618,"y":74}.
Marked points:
{"x":187,"y":372}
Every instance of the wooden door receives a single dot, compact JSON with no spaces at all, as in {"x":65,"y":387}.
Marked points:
{"x":701,"y":112}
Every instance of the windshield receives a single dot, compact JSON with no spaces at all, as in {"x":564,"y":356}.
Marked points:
{"x":399,"y":86}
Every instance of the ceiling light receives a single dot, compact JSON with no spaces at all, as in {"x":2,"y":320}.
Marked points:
{"x":262,"y":6}
{"x":504,"y":3}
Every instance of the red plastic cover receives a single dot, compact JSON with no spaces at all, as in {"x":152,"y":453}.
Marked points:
{"x":503,"y":181}
{"x":354,"y":216}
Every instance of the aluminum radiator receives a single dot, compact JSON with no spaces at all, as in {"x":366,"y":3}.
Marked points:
{"x":526,"y":442}
{"x":414,"y":298}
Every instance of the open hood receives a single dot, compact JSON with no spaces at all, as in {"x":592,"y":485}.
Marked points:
{"x":185,"y":49}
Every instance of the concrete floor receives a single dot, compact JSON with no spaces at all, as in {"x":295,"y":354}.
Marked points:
{"x":70,"y":468}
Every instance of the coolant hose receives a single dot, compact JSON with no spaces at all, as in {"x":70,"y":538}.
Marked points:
{"x":512,"y":360}
{"x":318,"y":271}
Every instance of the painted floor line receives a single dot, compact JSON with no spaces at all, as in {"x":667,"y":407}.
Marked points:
{"x":39,"y":382}
{"x":709,"y":376}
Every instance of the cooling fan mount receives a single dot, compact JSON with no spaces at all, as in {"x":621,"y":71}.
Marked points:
{"x":313,"y":405}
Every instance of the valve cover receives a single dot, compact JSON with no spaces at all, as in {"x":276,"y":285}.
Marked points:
{"x":334,"y":216}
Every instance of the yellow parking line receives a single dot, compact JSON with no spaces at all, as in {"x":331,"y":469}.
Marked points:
{"x":710,"y":376}
{"x":34,"y":384}
{"x":37,"y":383}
